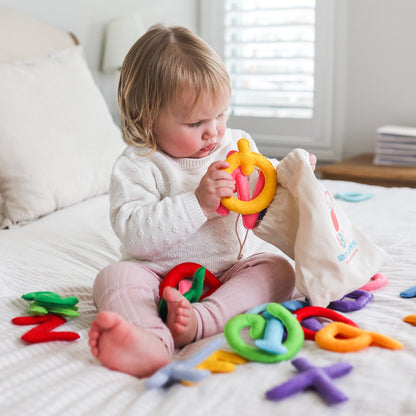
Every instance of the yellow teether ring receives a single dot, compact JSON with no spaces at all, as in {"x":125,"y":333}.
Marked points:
{"x":248,"y":160}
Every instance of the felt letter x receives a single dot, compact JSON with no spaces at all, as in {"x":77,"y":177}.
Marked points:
{"x":319,"y":378}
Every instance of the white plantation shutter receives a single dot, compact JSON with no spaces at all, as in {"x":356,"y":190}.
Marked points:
{"x":269,"y":53}
{"x":279,"y":57}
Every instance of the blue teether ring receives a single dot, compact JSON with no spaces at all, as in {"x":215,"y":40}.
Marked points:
{"x":353,"y":196}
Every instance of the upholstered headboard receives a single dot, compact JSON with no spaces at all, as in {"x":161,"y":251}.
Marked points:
{"x":58,"y":140}
{"x":24,"y":37}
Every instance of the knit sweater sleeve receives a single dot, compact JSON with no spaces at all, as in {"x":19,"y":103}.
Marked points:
{"x":149,"y":212}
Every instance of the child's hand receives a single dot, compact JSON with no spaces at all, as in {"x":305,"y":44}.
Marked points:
{"x":215,"y":185}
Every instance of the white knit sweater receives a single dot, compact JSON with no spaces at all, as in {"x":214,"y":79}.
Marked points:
{"x":158,"y":219}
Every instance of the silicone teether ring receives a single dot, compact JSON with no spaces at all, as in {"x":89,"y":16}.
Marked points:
{"x":354,"y":339}
{"x":248,"y":160}
{"x":257,"y":324}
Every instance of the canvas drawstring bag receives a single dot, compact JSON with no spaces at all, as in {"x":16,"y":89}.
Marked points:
{"x":332,"y":257}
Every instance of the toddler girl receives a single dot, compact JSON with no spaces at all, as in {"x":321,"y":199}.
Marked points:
{"x":165,"y":188}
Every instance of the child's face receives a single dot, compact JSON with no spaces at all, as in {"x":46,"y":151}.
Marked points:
{"x":183,"y":130}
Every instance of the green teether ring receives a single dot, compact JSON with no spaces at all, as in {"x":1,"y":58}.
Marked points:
{"x":40,"y":310}
{"x":51,"y":299}
{"x":257,"y":324}
{"x":193,"y":294}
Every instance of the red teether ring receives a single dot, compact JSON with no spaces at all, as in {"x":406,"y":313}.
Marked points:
{"x":313,"y":311}
{"x":187,"y":270}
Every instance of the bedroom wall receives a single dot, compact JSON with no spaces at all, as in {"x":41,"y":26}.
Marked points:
{"x":86,"y":19}
{"x":380,"y":70}
{"x":375,"y":58}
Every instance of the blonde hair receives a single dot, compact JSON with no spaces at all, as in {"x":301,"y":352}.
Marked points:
{"x":165,"y":62}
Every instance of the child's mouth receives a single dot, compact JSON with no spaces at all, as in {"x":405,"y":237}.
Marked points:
{"x":209,"y":148}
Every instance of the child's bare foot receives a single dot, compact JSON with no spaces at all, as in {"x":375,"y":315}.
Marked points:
{"x":124,"y":347}
{"x":181,"y":319}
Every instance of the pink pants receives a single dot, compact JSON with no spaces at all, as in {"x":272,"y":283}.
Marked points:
{"x":132,"y":290}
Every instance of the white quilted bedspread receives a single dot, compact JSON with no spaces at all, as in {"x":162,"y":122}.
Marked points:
{"x":62,"y":252}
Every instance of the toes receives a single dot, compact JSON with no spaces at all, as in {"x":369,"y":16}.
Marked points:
{"x":184,"y":305}
{"x":93,"y":333}
{"x":179,"y":328}
{"x":182,"y":316}
{"x":93,"y":337}
{"x":95,"y":352}
{"x":107,"y":320}
{"x":171,"y":295}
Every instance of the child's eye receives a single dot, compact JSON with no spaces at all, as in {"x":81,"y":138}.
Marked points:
{"x":222,"y":116}
{"x":197,"y":124}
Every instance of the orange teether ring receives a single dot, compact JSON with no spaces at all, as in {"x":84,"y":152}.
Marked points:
{"x":248,"y":160}
{"x":410,"y":319}
{"x":354,"y":339}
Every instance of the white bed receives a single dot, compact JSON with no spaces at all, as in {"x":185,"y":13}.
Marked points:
{"x":62,"y":248}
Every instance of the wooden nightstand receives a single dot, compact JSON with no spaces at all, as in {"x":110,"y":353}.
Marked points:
{"x":362,"y":169}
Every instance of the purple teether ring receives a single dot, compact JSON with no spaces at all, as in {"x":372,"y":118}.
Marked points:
{"x":361,"y":297}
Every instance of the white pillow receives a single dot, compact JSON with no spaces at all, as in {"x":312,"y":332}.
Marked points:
{"x":58,"y":141}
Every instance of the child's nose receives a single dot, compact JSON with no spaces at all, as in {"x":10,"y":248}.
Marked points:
{"x":210,"y":130}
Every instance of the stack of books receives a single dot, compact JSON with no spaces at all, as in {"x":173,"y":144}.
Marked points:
{"x":396,"y":145}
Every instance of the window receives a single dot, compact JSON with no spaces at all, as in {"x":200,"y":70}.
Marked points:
{"x":279,"y":56}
